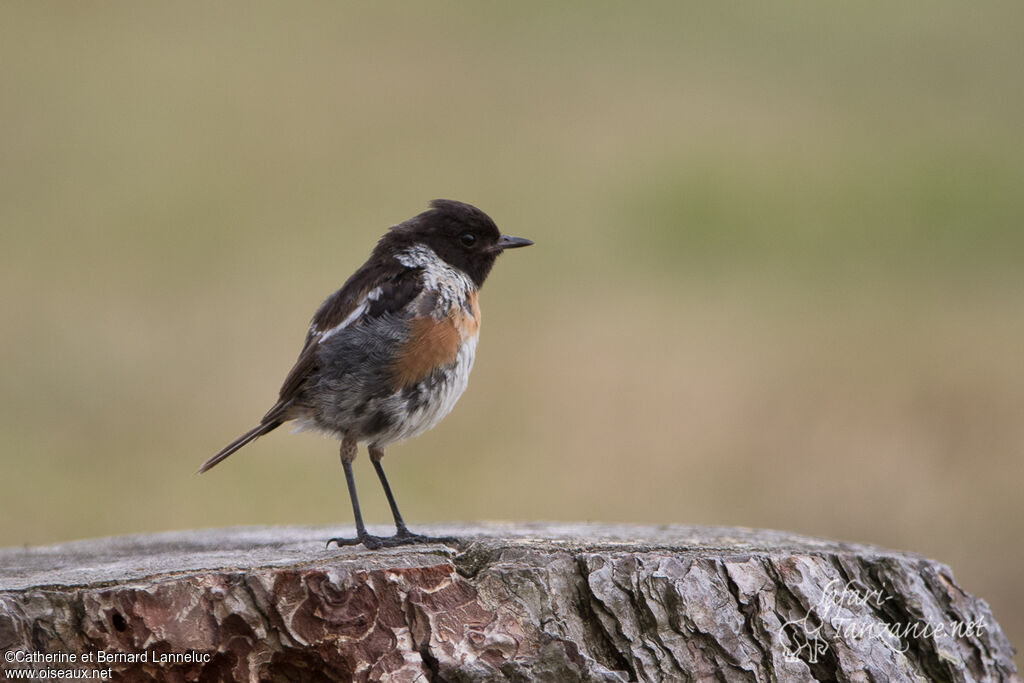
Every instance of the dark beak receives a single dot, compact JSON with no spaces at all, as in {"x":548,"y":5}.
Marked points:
{"x":510,"y":242}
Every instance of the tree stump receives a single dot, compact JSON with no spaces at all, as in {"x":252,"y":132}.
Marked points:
{"x":519,"y":602}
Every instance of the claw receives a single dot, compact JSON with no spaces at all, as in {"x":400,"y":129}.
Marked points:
{"x":371,"y":542}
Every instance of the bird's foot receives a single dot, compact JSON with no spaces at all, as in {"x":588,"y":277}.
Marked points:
{"x":403,"y":537}
{"x":371,"y":542}
{"x":406,"y":537}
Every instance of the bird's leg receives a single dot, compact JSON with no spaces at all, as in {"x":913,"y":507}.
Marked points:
{"x":376,"y":453}
{"x":349,"y":448}
{"x":402,"y":534}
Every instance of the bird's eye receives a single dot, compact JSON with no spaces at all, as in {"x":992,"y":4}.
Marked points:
{"x":468,"y":239}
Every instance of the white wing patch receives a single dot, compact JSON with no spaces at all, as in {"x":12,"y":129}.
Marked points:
{"x":450,"y":285}
{"x":358,"y":311}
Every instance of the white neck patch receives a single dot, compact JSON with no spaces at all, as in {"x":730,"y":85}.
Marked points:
{"x":438,"y":276}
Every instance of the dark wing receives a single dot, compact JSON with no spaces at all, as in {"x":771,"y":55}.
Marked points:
{"x":374,"y":290}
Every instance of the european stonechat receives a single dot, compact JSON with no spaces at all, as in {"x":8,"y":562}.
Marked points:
{"x":388,"y":355}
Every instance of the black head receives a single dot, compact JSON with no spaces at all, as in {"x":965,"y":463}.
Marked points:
{"x":461,"y":234}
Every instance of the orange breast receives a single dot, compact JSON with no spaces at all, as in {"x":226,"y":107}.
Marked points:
{"x":468,"y":322}
{"x":433,"y":343}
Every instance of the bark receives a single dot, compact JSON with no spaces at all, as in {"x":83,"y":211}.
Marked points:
{"x":518,"y":602}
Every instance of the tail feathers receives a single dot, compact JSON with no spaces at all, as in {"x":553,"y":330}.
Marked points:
{"x":250,"y":435}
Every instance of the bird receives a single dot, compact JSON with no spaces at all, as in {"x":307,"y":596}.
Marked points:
{"x":388,"y":355}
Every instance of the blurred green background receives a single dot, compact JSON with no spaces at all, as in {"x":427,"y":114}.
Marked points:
{"x":777,"y":280}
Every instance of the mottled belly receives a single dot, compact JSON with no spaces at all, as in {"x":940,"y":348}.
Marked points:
{"x":419,"y":407}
